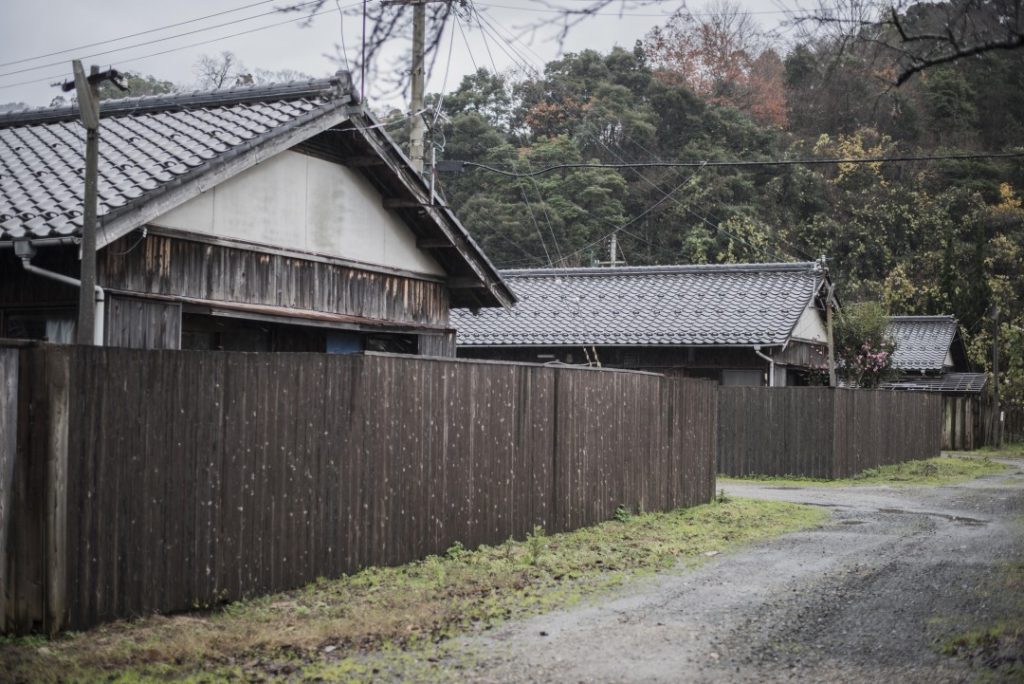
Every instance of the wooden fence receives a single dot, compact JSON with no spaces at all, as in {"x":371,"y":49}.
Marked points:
{"x":163,"y":480}
{"x":823,"y":432}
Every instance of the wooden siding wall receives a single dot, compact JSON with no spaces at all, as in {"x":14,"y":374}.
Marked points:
{"x":960,"y":414}
{"x":442,"y":345}
{"x":197,"y":477}
{"x":175,"y":267}
{"x":143,"y":323}
{"x":822,"y":432}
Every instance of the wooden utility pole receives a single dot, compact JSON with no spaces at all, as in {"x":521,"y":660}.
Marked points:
{"x":613,"y":254}
{"x":87,"y":90}
{"x":417,"y":127}
{"x":829,"y":301}
{"x":997,"y":429}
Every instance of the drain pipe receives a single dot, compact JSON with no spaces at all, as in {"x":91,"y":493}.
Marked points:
{"x":68,"y":280}
{"x":771,"y":365}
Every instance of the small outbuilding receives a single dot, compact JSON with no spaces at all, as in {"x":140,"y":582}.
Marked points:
{"x":739,"y":324}
{"x":931,"y":357}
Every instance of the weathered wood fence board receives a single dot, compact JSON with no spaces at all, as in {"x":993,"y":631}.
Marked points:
{"x":823,"y":432}
{"x":8,"y":446}
{"x":162,"y":480}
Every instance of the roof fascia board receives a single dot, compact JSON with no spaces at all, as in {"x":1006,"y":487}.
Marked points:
{"x":645,"y":270}
{"x":605,"y":345}
{"x":176,"y":193}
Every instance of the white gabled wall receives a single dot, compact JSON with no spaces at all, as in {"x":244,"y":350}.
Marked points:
{"x":300,"y":202}
{"x":811,"y":327}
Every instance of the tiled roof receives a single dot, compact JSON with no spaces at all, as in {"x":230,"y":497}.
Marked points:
{"x":146,"y":145}
{"x":950,"y":382}
{"x":922,"y":342}
{"x":713,"y":305}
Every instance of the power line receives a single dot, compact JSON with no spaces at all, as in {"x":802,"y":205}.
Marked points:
{"x":518,"y":57}
{"x":744,"y":163}
{"x":155,"y":40}
{"x":53,"y":77}
{"x":134,"y":35}
{"x":655,"y":186}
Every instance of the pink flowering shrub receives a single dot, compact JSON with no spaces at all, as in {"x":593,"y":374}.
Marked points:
{"x":863,"y":347}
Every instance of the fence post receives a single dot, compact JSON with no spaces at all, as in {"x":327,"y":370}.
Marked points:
{"x":8,"y":446}
{"x":58,"y":380}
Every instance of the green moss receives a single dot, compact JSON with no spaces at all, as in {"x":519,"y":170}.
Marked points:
{"x":942,"y":470}
{"x":397,"y":622}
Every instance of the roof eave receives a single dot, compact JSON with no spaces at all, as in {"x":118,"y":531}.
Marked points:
{"x":485,"y":287}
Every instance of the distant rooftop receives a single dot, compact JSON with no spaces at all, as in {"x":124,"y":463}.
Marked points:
{"x":971,"y":383}
{"x":922,"y":342}
{"x":697,"y":305}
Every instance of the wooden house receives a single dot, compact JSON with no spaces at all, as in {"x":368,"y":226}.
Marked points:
{"x":259,"y":218}
{"x":931,"y":357}
{"x":740,"y":324}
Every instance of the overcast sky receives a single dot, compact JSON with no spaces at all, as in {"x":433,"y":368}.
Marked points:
{"x":31,"y":31}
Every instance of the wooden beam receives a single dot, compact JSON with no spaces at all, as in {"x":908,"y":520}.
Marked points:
{"x":401,"y":203}
{"x":466,"y":283}
{"x":434,"y":243}
{"x":363,"y":161}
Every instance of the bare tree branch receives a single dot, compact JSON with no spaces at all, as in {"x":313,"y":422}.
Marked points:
{"x":917,"y":36}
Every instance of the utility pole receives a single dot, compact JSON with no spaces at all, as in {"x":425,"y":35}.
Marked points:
{"x":87,"y":90}
{"x":997,"y":429}
{"x":829,"y":302}
{"x":613,"y":254}
{"x":417,"y":127}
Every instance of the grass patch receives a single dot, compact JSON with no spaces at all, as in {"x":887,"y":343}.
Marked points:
{"x":941,"y":470}
{"x":398,"y":622}
{"x":1014,"y":450}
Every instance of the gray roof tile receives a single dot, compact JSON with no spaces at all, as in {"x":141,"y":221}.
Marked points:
{"x":950,"y":382}
{"x":145,"y":143}
{"x":922,"y":342}
{"x":711,"y":305}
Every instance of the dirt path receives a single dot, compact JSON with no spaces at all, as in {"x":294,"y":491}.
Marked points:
{"x":863,"y":600}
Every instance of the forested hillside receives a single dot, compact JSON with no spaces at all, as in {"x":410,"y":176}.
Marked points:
{"x":923,"y":237}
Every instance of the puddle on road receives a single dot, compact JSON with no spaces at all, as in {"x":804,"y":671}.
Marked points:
{"x":973,"y":522}
{"x":852,"y":522}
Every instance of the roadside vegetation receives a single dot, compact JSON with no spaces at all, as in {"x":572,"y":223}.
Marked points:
{"x":400,"y":622}
{"x":942,"y":470}
{"x":1014,"y":450}
{"x":996,"y":650}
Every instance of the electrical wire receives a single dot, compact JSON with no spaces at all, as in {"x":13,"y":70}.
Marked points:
{"x":444,"y":81}
{"x":155,"y":40}
{"x":134,"y":35}
{"x":50,"y":79}
{"x":530,"y":71}
{"x":748,"y":163}
{"x":341,"y":31}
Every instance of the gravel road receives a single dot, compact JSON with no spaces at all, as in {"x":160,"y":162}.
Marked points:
{"x":865,"y":599}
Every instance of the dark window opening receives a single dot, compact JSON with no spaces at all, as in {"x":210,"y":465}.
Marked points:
{"x":54,"y":325}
